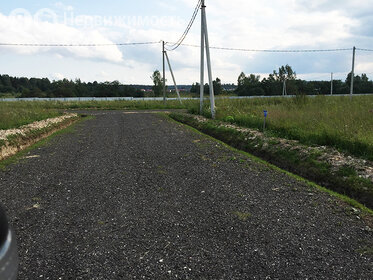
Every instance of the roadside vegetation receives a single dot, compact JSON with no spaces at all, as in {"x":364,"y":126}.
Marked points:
{"x":16,"y":114}
{"x":328,"y":121}
{"x":325,"y":166}
{"x":127,"y":105}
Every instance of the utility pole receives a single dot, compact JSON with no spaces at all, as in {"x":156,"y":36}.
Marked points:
{"x":202,"y":81}
{"x":284,"y":92}
{"x":206,"y":41}
{"x":352,"y":72}
{"x":164,"y":73}
{"x":331,"y":84}
{"x":173,"y":78}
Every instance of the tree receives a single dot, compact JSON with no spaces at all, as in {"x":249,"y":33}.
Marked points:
{"x":249,"y":85}
{"x":285,"y":72}
{"x":271,"y":86}
{"x":218,"y":89}
{"x":366,"y":85}
{"x":158,"y":83}
{"x":253,"y":80}
{"x":241,"y":79}
{"x":361,"y":84}
{"x":195,"y":88}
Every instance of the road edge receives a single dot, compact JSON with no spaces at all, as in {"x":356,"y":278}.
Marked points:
{"x":365,"y":213}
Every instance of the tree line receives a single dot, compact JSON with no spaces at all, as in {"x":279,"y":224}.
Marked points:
{"x":252,"y":85}
{"x":247,"y":85}
{"x":36,"y":87}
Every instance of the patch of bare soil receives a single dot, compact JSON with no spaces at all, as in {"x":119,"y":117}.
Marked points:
{"x":20,"y":136}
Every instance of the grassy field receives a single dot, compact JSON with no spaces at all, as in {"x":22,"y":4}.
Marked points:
{"x":332,"y":121}
{"x":16,"y":114}
{"x":125,"y":105}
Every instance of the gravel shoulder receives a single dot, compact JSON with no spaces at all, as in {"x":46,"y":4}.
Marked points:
{"x":137,"y":196}
{"x":15,"y":140}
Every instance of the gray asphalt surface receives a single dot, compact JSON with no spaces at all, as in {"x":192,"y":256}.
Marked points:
{"x":136,"y":196}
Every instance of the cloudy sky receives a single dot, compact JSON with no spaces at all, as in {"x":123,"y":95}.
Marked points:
{"x":265,"y":24}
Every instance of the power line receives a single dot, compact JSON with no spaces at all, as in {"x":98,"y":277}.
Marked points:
{"x":182,"y":38}
{"x":76,"y":45}
{"x":271,"y":51}
{"x":179,"y":43}
{"x":365,"y":50}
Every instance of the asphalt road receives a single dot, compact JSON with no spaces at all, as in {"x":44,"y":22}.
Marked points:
{"x":136,"y":196}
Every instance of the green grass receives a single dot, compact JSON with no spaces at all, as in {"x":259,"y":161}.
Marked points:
{"x":331,"y":121}
{"x":242,"y":216}
{"x":16,"y":114}
{"x":124,"y":105}
{"x":368,"y":250}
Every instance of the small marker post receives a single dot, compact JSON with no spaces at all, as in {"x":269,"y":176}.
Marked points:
{"x":265,"y":117}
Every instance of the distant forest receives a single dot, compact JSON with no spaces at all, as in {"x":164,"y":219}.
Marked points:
{"x":247,"y":85}
{"x":252,"y":85}
{"x":35,"y":87}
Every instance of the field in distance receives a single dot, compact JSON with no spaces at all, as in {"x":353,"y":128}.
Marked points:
{"x":331,"y":121}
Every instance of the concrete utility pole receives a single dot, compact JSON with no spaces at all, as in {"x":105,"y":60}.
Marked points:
{"x":173,"y":78}
{"x":164,"y":73}
{"x":331,"y":84}
{"x":202,"y":81}
{"x":352,"y":72}
{"x":284,"y":91}
{"x":205,"y":37}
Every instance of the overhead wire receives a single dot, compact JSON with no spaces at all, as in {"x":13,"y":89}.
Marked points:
{"x":179,"y":43}
{"x":77,"y":45}
{"x":365,"y":50}
{"x":272,"y":51}
{"x":174,"y":46}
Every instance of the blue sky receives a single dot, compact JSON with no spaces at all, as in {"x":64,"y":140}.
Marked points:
{"x":266,"y":24}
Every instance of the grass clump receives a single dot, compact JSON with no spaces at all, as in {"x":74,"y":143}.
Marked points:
{"x":367,"y":251}
{"x":242,"y":216}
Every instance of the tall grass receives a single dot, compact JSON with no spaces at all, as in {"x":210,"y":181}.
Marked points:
{"x":331,"y":121}
{"x":125,"y":105}
{"x":16,"y":114}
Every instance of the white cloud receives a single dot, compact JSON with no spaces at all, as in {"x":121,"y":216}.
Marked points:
{"x":267,"y":24}
{"x":167,"y":6}
{"x":61,"y":6}
{"x":365,"y":66}
{"x":57,"y":76}
{"x":28,"y":30}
